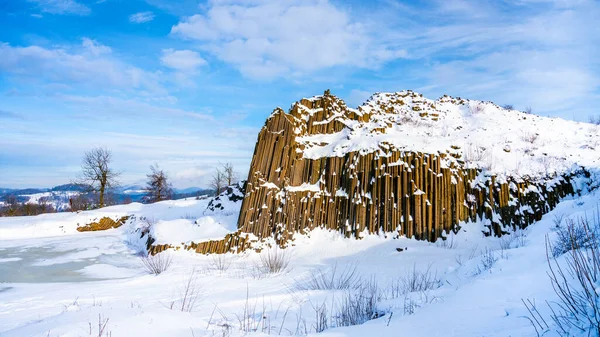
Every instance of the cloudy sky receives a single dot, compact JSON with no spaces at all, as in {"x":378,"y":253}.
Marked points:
{"x":188,"y":84}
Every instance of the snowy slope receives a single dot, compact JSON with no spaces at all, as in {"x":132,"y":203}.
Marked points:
{"x":505,"y":142}
{"x":100,"y":277}
{"x":174,"y":221}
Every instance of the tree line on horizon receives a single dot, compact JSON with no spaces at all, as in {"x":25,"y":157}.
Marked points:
{"x":99,"y":179}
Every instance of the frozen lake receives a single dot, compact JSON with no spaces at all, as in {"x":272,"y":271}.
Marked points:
{"x":66,"y":259}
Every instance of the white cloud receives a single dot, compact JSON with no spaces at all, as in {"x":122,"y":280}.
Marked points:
{"x":192,"y":174}
{"x":90,"y":64}
{"x":182,"y":60}
{"x":148,"y":106}
{"x":541,"y":53}
{"x":141,"y":17}
{"x":94,"y":47}
{"x":549,"y":82}
{"x":269,"y":39}
{"x":66,"y":7}
{"x":140,"y":132}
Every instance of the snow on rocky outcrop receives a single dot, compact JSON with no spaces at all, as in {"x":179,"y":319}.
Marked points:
{"x":407,"y":165}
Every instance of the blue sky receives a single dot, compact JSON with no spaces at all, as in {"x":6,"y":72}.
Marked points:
{"x":188,"y":84}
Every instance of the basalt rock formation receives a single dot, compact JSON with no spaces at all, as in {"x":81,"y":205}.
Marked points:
{"x":380,"y":188}
{"x":103,"y":224}
{"x":402,"y":164}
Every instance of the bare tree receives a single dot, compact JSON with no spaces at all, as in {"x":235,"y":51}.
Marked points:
{"x":11,"y":200}
{"x":218,"y":181}
{"x":80,"y":202}
{"x":158,"y":185}
{"x":229,"y":172}
{"x":96,"y":173}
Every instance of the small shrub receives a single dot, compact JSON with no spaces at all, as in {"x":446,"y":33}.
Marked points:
{"x":549,"y":165}
{"x":530,"y":137}
{"x":488,"y":259}
{"x":101,"y":330}
{"x":273,"y":261}
{"x":573,"y":236}
{"x":447,"y":243}
{"x":515,"y":239}
{"x":189,"y":295}
{"x":506,"y":241}
{"x":459,"y":260}
{"x":528,"y":110}
{"x":407,"y":119}
{"x":321,"y":318}
{"x":508,"y":107}
{"x":520,"y":238}
{"x":189,"y":216}
{"x":477,"y":108}
{"x":332,"y":279}
{"x":473,"y":253}
{"x":414,"y":281}
{"x":576,"y":282}
{"x":595,"y":119}
{"x":359,"y":306}
{"x":409,"y":306}
{"x":475,"y":152}
{"x":535,"y":317}
{"x":220,"y":262}
{"x":414,"y":301}
{"x":558,"y":220}
{"x":156,"y":264}
{"x":251,"y":320}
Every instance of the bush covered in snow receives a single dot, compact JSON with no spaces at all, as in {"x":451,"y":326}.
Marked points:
{"x":577,"y":280}
{"x":574,"y":235}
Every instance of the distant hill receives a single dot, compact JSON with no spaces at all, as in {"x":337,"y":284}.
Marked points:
{"x":59,"y":196}
{"x":189,"y":190}
{"x":131,"y":189}
{"x":68,"y":187}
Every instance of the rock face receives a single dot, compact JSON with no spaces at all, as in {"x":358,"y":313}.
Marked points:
{"x":300,"y":179}
{"x":103,"y":224}
{"x":228,"y":202}
{"x":402,"y":164}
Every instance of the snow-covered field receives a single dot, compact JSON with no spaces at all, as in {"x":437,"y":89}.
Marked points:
{"x":60,"y":282}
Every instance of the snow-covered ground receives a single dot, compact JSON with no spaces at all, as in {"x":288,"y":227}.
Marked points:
{"x":502,"y":141}
{"x":56,"y":281}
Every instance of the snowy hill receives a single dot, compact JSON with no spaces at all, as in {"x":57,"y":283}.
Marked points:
{"x":482,"y":134}
{"x":58,"y":196}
